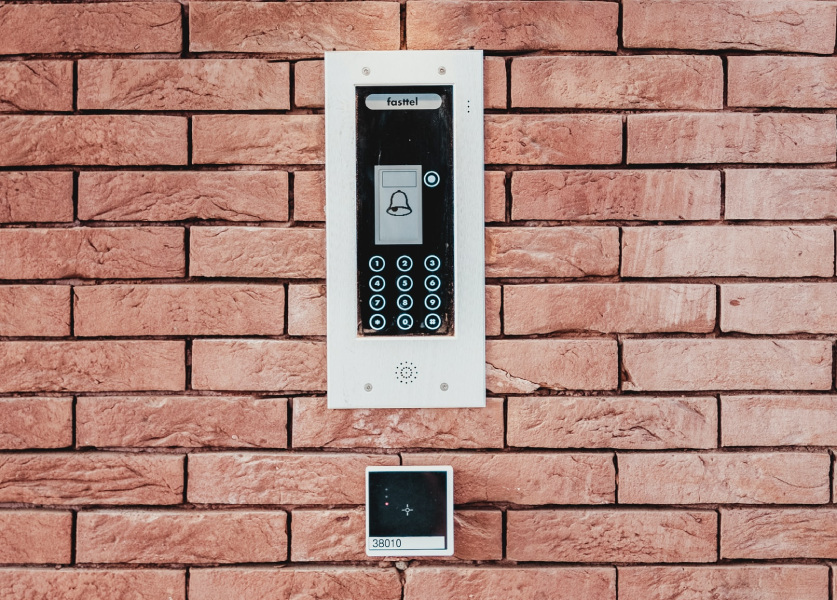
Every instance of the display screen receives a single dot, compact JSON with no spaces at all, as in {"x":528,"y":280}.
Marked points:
{"x":407,"y":504}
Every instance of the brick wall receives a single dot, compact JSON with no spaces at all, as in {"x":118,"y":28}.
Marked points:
{"x":661,"y":201}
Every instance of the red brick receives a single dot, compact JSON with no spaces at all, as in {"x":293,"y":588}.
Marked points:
{"x":459,"y":25}
{"x":206,"y":84}
{"x":267,"y":365}
{"x":752,"y":478}
{"x":36,"y":85}
{"x":33,"y":196}
{"x":92,"y":139}
{"x":520,"y":583}
{"x":85,"y":584}
{"x":552,"y":139}
{"x":527,"y":478}
{"x":181,"y":421}
{"x":737,"y":582}
{"x":259,"y":139}
{"x":628,"y":423}
{"x":280,"y":478}
{"x":117,"y":27}
{"x":495,"y":196}
{"x":106,"y":253}
{"x":36,"y":423}
{"x":739,"y":251}
{"x":299,"y":29}
{"x":92,"y":366}
{"x":257,"y":252}
{"x":309,"y":88}
{"x":731,"y":137}
{"x":779,"y":420}
{"x":726,"y":364}
{"x":792,"y":81}
{"x":614,"y":82}
{"x":317,"y":426}
{"x":91,"y":478}
{"x":780,"y":25}
{"x":29,"y":536}
{"x":181,"y":195}
{"x":551,"y":251}
{"x":182,"y":537}
{"x":609,"y":308}
{"x":778,"y":308}
{"x":647,"y":195}
{"x":493,"y":308}
{"x":309,"y":195}
{"x":523,"y":366}
{"x":208,"y":309}
{"x":631,"y":536}
{"x":42,"y":310}
{"x":781,"y":194}
{"x":290,"y":583}
{"x":778,"y":533}
{"x":340,"y":535}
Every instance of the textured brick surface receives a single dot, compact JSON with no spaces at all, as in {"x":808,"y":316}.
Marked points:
{"x":183,"y":85}
{"x":600,"y":195}
{"x":614,"y":422}
{"x":771,"y":420}
{"x":726,"y":364}
{"x":218,"y":309}
{"x":36,"y":196}
{"x":660,"y":82}
{"x":476,"y":534}
{"x":34,"y":310}
{"x":91,"y":478}
{"x":30,"y":536}
{"x":194,"y":537}
{"x":181,"y":195}
{"x":317,"y":426}
{"x":83,"y":584}
{"x":639,"y":308}
{"x":761,"y":25}
{"x":255,"y":583}
{"x":731,"y":138}
{"x":779,"y":307}
{"x":164,"y":421}
{"x":527,"y":479}
{"x":759,"y":533}
{"x":33,"y":422}
{"x":781,"y":194}
{"x":281,"y":478}
{"x":605,"y":535}
{"x":456,"y":24}
{"x":798,"y":82}
{"x":92,"y":139}
{"x":36,"y":85}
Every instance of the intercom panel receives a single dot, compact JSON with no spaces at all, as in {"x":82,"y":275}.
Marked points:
{"x":404,"y":225}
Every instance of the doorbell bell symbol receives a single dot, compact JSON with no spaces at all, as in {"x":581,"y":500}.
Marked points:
{"x":399,"y":205}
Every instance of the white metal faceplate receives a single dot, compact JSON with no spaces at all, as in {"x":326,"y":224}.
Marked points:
{"x":445,"y":371}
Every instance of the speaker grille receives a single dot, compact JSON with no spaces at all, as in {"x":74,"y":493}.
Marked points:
{"x":406,"y":372}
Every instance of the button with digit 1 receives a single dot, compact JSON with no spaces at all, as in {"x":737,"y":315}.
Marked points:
{"x":432,"y":283}
{"x":377,"y":263}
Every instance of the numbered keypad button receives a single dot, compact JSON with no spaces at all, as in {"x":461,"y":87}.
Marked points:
{"x":377,"y":263}
{"x":432,"y":263}
{"x":377,"y":302}
{"x":432,"y":302}
{"x":404,"y":302}
{"x":432,"y":321}
{"x":404,"y":263}
{"x":377,"y":322}
{"x":377,"y":283}
{"x":404,"y":321}
{"x":432,"y":283}
{"x":404,"y":283}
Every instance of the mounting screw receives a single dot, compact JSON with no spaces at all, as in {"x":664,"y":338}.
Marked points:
{"x":368,"y":387}
{"x":444,"y":387}
{"x":442,"y":70}
{"x":365,"y":71}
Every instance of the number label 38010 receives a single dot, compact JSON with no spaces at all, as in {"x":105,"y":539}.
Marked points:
{"x":383,"y":543}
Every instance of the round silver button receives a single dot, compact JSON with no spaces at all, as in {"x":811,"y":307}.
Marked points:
{"x":432,"y":283}
{"x":404,"y":321}
{"x":432,"y":302}
{"x":432,"y":321}
{"x":377,"y":263}
{"x":377,"y":283}
{"x":432,"y":263}
{"x":404,"y":302}
{"x":377,"y":322}
{"x":404,"y":263}
{"x":378,"y":302}
{"x":431,"y":179}
{"x":404,"y":283}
